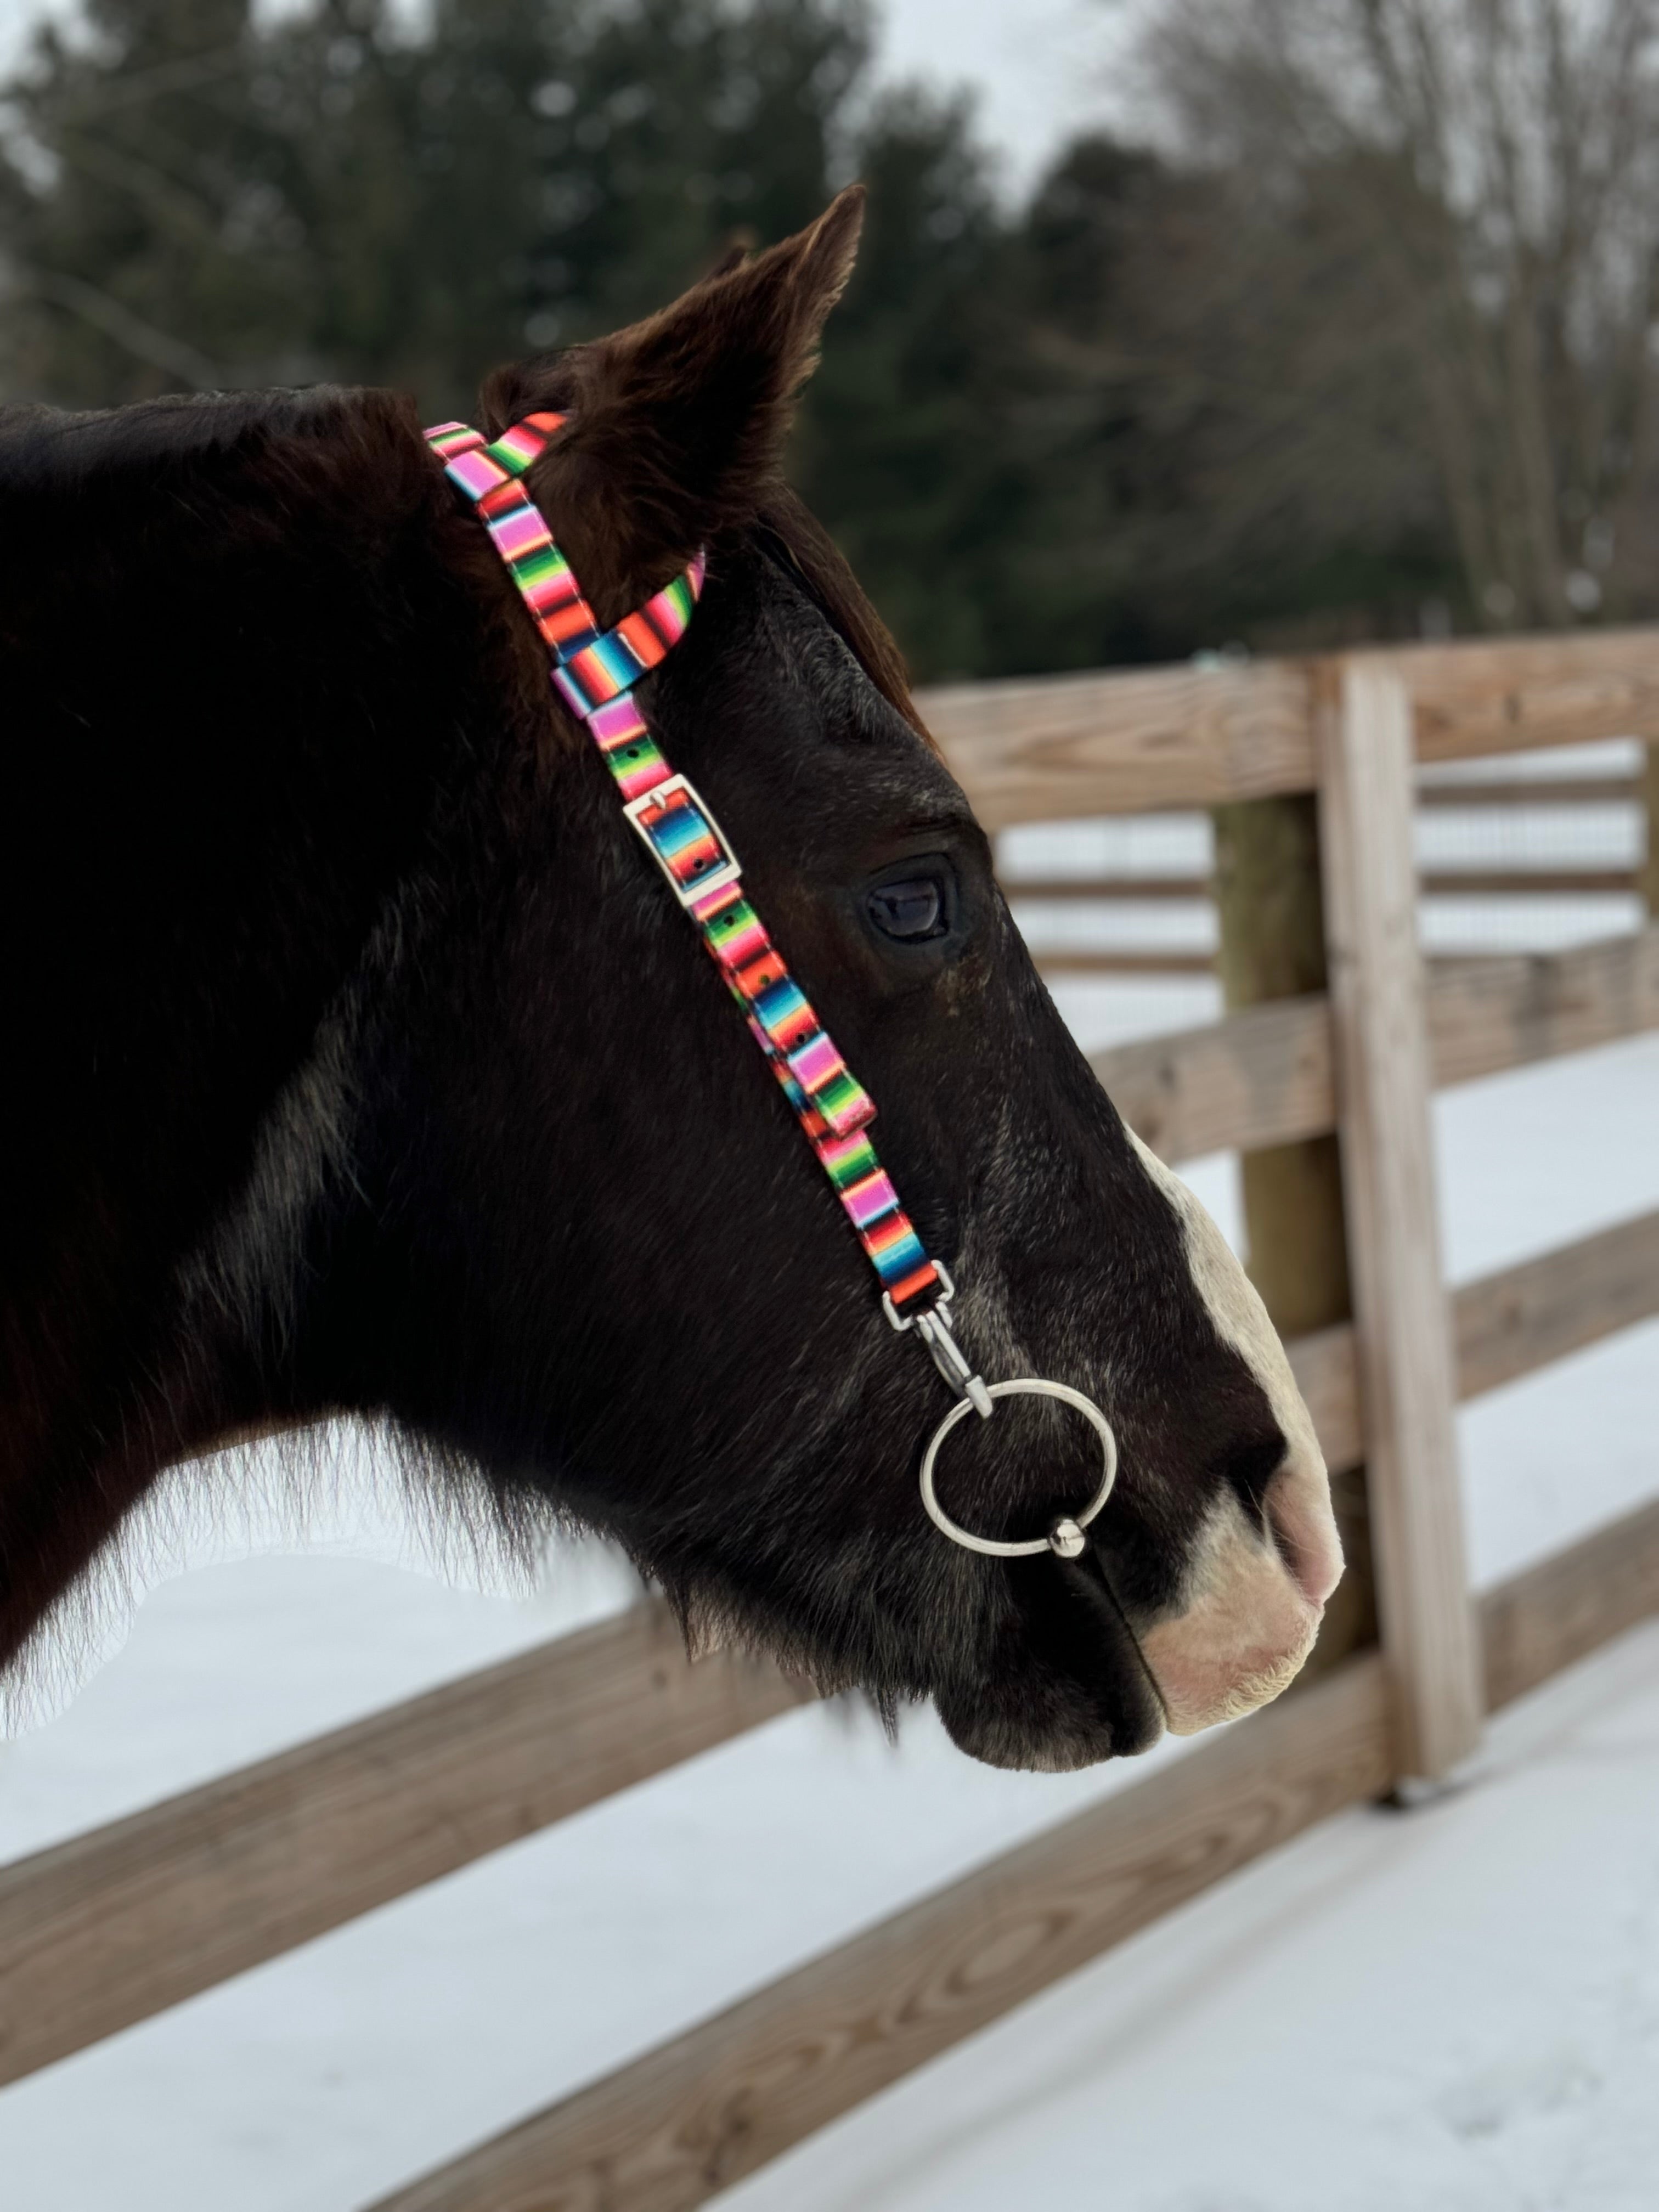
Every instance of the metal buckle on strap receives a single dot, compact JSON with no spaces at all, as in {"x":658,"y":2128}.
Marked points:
{"x":726,"y":870}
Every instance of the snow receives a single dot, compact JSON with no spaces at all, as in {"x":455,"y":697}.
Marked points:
{"x":1455,"y":2009}
{"x":1445,"y":2010}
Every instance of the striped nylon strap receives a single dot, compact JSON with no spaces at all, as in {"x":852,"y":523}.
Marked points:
{"x":594,"y":672}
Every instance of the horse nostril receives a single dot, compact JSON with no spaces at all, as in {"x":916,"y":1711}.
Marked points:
{"x":1289,"y":1505}
{"x":1251,"y":1468}
{"x":1301,"y":1525}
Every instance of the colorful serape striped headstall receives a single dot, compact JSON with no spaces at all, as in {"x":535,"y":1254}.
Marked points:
{"x":594,"y":671}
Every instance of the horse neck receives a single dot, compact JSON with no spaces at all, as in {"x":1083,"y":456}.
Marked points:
{"x":238,"y":670}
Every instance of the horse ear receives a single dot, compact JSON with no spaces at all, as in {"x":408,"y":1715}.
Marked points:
{"x":679,"y":423}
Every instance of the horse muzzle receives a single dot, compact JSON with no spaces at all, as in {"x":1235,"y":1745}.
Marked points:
{"x":1256,"y":1597}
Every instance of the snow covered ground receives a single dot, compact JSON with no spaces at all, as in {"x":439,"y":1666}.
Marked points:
{"x":1455,"y":2010}
{"x":1450,"y":2010}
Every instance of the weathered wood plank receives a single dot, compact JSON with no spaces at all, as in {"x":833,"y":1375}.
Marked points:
{"x":692,"y":2117}
{"x":1326,"y":1366}
{"x":1512,"y":695}
{"x":1107,"y":887}
{"x":1532,"y":790}
{"x":111,"y":1926}
{"x":1508,"y":1010}
{"x":1505,"y":1326}
{"x":1528,"y":883}
{"x":1379,"y":1017}
{"x":1433,"y":883}
{"x":1125,"y":962}
{"x":1513,"y":1323}
{"x":1264,"y":1077}
{"x":696,"y":2115}
{"x":1261,"y":1076}
{"x":1570,"y":1605}
{"x":1038,"y":748}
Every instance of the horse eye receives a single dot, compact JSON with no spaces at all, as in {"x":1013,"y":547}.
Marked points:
{"x":910,"y":911}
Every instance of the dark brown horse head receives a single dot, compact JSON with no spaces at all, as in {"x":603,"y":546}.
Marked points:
{"x":373,"y":1067}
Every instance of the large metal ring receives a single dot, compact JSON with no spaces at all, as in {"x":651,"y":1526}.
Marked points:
{"x":1065,"y":1537}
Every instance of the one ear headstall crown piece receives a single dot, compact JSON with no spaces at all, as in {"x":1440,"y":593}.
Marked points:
{"x":594,"y":672}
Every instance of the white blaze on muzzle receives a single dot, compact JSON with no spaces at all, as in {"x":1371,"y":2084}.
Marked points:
{"x":1255,"y":1597}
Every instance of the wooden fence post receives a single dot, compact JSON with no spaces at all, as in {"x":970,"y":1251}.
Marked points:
{"x":1649,"y":865}
{"x":1401,"y":1311}
{"x":1270,"y":918}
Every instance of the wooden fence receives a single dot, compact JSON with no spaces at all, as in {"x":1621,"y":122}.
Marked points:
{"x":113,"y":1926}
{"x":1496,"y":806}
{"x":1143,"y":955}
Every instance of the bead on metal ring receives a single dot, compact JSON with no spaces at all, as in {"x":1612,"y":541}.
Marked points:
{"x":1065,"y":1538}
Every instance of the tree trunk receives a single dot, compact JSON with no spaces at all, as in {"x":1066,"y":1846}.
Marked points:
{"x":1651,"y":820}
{"x":1272,"y":946}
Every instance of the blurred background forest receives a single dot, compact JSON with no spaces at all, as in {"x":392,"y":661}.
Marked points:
{"x":1353,"y":334}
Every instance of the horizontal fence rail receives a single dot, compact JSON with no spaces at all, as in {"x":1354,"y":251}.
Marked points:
{"x":1124,"y":960}
{"x":1504,"y":1326}
{"x":116,"y":1924}
{"x":1548,"y":791}
{"x":1043,"y":898}
{"x":1525,"y":1317}
{"x":1515,"y":695}
{"x":1266,"y":1075}
{"x":111,"y":1926}
{"x":1039,"y":749}
{"x":1569,"y":1605}
{"x":1029,"y":752}
{"x":1528,"y":882}
{"x":1107,"y":887}
{"x":697,"y":2114}
{"x":1436,"y":883}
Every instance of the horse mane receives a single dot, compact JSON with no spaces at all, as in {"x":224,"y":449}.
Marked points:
{"x":372,"y":437}
{"x":68,"y":452}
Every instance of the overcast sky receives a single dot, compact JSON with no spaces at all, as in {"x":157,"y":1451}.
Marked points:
{"x":1040,"y":68}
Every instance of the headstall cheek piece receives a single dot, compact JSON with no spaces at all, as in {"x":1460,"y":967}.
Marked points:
{"x":594,"y":672}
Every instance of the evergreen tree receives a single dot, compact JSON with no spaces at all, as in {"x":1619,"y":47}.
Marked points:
{"x":145,"y":234}
{"x":1148,"y":412}
{"x":901,"y":450}
{"x":197,"y":200}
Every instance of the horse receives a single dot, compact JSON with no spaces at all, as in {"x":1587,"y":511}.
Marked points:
{"x":360,"y":1061}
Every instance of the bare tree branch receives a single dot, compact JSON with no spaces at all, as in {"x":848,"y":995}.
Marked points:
{"x":1496,"y":164}
{"x":173,"y":356}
